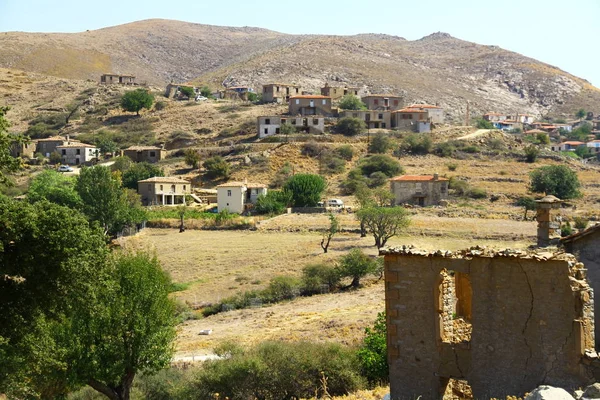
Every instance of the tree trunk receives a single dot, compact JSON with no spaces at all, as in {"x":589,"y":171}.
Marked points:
{"x":121,"y":392}
{"x":181,"y":225}
{"x":363,"y":230}
{"x":355,"y":282}
{"x":324,"y":245}
{"x":105,"y":390}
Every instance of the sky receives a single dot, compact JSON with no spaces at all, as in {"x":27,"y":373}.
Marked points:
{"x":563,"y":34}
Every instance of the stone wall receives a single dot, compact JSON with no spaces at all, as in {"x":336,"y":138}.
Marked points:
{"x":531,"y":317}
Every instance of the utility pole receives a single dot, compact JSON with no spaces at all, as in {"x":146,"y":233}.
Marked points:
{"x":468,"y":115}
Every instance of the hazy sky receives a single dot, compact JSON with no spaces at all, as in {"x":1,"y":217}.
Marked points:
{"x":565,"y":34}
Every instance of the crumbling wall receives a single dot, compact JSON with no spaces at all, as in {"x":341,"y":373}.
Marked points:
{"x":531,"y":317}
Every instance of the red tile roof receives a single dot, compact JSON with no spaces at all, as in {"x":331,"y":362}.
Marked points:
{"x":410,"y":110}
{"x":411,"y":178}
{"x":573,"y":143}
{"x":310,"y":96}
{"x":423,"y":106}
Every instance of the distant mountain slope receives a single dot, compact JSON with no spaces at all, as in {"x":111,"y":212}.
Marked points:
{"x":437,"y":68}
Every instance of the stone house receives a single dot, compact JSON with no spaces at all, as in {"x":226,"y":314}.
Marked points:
{"x":48,"y":145}
{"x":585,"y":245}
{"x":164,"y":191}
{"x":594,"y":146}
{"x":373,"y":119}
{"x":505,"y":321}
{"x":435,"y":114}
{"x":75,"y":153}
{"x":411,"y":119}
{"x":570,"y":145}
{"x":236,"y":93}
{"x":237,"y":197}
{"x":271,"y":125}
{"x":337,"y":92}
{"x":173,"y":90}
{"x":279,"y":92}
{"x":150,"y":154}
{"x":495,"y":117}
{"x":383,"y":102}
{"x":23,"y":149}
{"x":310,"y":105}
{"x":109,"y":79}
{"x":525,"y":119}
{"x":422,"y":190}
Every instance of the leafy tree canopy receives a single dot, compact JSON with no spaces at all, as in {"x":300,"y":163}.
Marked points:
{"x":356,"y":265}
{"x":373,"y":352}
{"x":7,"y":162}
{"x":556,"y":180}
{"x":54,"y":187}
{"x":381,"y":163}
{"x":137,"y":99}
{"x":140,"y":171}
{"x":216,"y":167}
{"x":187,"y":92}
{"x":350,"y":126}
{"x":305,"y":189}
{"x":351,"y":102}
{"x":383,"y":222}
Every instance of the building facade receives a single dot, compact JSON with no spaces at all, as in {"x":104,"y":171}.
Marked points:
{"x":383,"y":102}
{"x":48,"y":146}
{"x":279,"y":92}
{"x":373,"y":119}
{"x":23,"y":149}
{"x":236,"y":197}
{"x":109,"y":79}
{"x":150,"y":154}
{"x":422,"y":190}
{"x":164,"y":191}
{"x":271,"y":125}
{"x":411,"y":119}
{"x":78,"y":153}
{"x":310,"y":105}
{"x":435,"y":114}
{"x":337,"y":92}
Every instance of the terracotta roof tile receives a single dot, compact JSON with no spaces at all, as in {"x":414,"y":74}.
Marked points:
{"x":164,"y":179}
{"x":310,"y":96}
{"x":410,"y":178}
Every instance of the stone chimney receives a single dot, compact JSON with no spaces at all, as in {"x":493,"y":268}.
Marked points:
{"x":436,"y":176}
{"x":548,"y":229}
{"x":68,"y":139}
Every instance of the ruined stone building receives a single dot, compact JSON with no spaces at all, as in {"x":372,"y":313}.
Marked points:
{"x":504,"y":321}
{"x":109,"y":79}
{"x":271,"y":125}
{"x":373,"y":119}
{"x":337,"y":92}
{"x":279,"y":92}
{"x":422,"y":190}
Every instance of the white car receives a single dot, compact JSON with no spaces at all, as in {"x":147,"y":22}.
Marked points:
{"x":335,"y":203}
{"x":201,"y":98}
{"x":65,"y":168}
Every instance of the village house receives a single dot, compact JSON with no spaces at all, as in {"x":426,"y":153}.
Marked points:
{"x":279,"y":92}
{"x":76,"y":153}
{"x":310,"y":105}
{"x":150,"y":154}
{"x":525,"y":119}
{"x":271,"y":125}
{"x":23,"y":149}
{"x":422,"y":190}
{"x":237,"y":197}
{"x":337,"y":92}
{"x":496,"y":117}
{"x":508,"y":125}
{"x":173,"y":90}
{"x":236,"y":93}
{"x":435,"y":113}
{"x":48,"y":145}
{"x":109,"y":79}
{"x":164,"y":191}
{"x":383,"y":102}
{"x":570,"y":145}
{"x":413,"y":119}
{"x":373,"y":119}
{"x":594,"y":146}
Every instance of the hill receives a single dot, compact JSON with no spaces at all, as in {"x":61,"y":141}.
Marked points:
{"x":437,"y":68}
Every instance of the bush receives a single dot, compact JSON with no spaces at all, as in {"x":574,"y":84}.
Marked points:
{"x":356,"y":265}
{"x":471,"y":149}
{"x":417,"y":144}
{"x":461,"y":188}
{"x":187,"y":92}
{"x":354,"y":181}
{"x":377,"y":179}
{"x":274,"y":202}
{"x":280,"y":370}
{"x":380,"y":163}
{"x":192,"y":158}
{"x":350,"y":126}
{"x":556,"y":180}
{"x":216,"y":168}
{"x":140,"y":171}
{"x":496,"y":144}
{"x":333,"y":165}
{"x":137,"y":99}
{"x":315,"y":276}
{"x":305,"y":189}
{"x":283,"y":288}
{"x":351,"y":102}
{"x":373,"y":352}
{"x":542,"y":138}
{"x":531,"y":153}
{"x":566,"y":230}
{"x":481,"y":123}
{"x":452,"y":166}
{"x":282,"y":175}
{"x":160,"y":105}
{"x":380,"y":144}
{"x":445,"y":149}
{"x":345,"y":151}
{"x":55,"y":157}
{"x":313,"y":149}
{"x":580,"y":223}
{"x":477,"y":193}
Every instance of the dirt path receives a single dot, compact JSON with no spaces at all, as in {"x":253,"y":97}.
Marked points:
{"x":479,"y":132}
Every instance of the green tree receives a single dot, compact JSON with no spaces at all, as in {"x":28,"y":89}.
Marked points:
{"x":105,"y":201}
{"x":481,"y":123}
{"x":192,"y":158}
{"x":334,"y":227}
{"x":106,"y":145}
{"x":531,"y":153}
{"x":122,"y":164}
{"x":253,"y":97}
{"x":305,"y":189}
{"x":129,"y":329}
{"x":287,"y":129}
{"x":187,"y":92}
{"x":543,"y":138}
{"x":206,"y":92}
{"x":581,"y":113}
{"x":556,"y":180}
{"x":416,"y":144}
{"x":54,"y":187}
{"x":274,"y":202}
{"x":528,"y":204}
{"x":380,"y":144}
{"x":356,"y":265}
{"x":216,"y":167}
{"x":584,"y":152}
{"x":581,"y":133}
{"x":138,"y":172}
{"x":137,"y":99}
{"x":8,"y":163}
{"x":351,"y":102}
{"x":350,"y":126}
{"x":345,"y":151}
{"x":382,"y":163}
{"x":383,"y":222}
{"x":373,"y":352}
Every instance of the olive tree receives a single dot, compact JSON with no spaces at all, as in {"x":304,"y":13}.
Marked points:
{"x":137,"y":99}
{"x":383,"y":222}
{"x":556,"y":180}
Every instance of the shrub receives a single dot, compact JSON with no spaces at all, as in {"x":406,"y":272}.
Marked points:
{"x":481,"y":123}
{"x":445,"y":149}
{"x":192,"y":158}
{"x":471,"y":149}
{"x":350,"y":126}
{"x":253,"y":97}
{"x":380,"y":163}
{"x":333,"y":165}
{"x":305,"y":189}
{"x":452,"y":166}
{"x":543,"y":138}
{"x":557,"y":180}
{"x":274,"y":202}
{"x":313,"y":149}
{"x":566,"y":230}
{"x":187,"y":92}
{"x":160,"y":105}
{"x":55,"y":157}
{"x":496,"y":144}
{"x":351,"y":102}
{"x":380,"y":144}
{"x":580,"y":222}
{"x":356,"y":265}
{"x":461,"y":188}
{"x":377,"y":179}
{"x":166,"y":384}
{"x":206,"y":92}
{"x":373,"y":352}
{"x":531,"y":153}
{"x":315,"y":276}
{"x":280,"y":370}
{"x":354,"y":181}
{"x":282,"y":175}
{"x":345,"y":151}
{"x":216,"y":168}
{"x":283,"y":288}
{"x":417,"y":144}
{"x":222,"y":216}
{"x":477,"y":193}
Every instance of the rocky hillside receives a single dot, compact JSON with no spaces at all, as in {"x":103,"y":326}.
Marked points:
{"x":437,"y":68}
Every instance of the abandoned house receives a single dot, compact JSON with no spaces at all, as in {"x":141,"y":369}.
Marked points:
{"x":422,"y":190}
{"x":109,"y":79}
{"x":496,"y":117}
{"x":337,"y":92}
{"x":503,"y":321}
{"x":411,"y":119}
{"x":435,"y":113}
{"x":164,"y":191}
{"x":311,"y":104}
{"x":570,"y":145}
{"x":75,"y":153}
{"x":271,"y":125}
{"x":383,"y":102}
{"x":373,"y":119}
{"x":23,"y":149}
{"x":279,"y":92}
{"x":237,"y":197}
{"x":173,"y":90}
{"x":150,"y":154}
{"x":585,"y":245}
{"x":235,"y":93}
{"x":594,"y":146}
{"x":48,"y":145}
